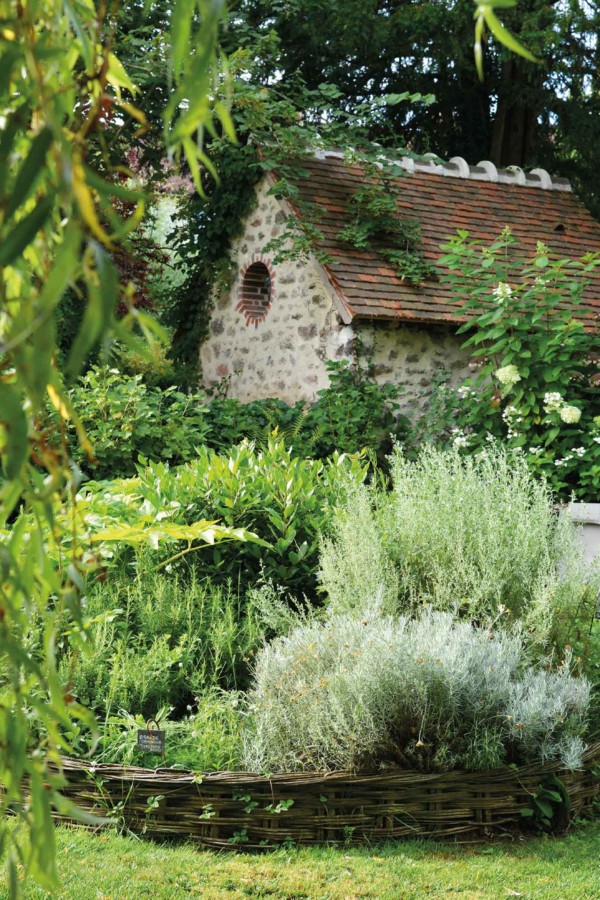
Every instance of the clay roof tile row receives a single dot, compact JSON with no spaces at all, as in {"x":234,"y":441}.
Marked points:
{"x":533,"y":206}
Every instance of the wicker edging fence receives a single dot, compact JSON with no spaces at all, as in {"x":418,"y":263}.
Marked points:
{"x":229,"y":809}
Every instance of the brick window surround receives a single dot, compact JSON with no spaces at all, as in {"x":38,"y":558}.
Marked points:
{"x":255,"y":290}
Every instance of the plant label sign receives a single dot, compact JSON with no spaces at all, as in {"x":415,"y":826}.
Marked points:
{"x":151,"y":741}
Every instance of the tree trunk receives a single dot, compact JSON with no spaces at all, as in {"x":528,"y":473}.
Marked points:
{"x":514,"y":129}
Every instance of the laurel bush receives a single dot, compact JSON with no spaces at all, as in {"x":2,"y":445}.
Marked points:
{"x":435,"y":692}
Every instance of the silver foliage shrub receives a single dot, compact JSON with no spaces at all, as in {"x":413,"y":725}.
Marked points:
{"x":478,"y":535}
{"x":432,"y":692}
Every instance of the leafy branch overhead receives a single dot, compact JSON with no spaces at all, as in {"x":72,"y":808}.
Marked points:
{"x":485,"y":17}
{"x":68,"y":206}
{"x":148,"y":532}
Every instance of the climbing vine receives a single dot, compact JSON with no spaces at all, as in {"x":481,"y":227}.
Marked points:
{"x":277,"y":132}
{"x":203,"y":243}
{"x":374,"y":223}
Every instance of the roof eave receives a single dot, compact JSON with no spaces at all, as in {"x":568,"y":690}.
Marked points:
{"x":342,"y":304}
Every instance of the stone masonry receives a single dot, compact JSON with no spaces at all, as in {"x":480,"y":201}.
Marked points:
{"x":282,"y":352}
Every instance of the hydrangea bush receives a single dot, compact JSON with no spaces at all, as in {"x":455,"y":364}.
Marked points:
{"x":536,"y":367}
{"x":362,"y":693}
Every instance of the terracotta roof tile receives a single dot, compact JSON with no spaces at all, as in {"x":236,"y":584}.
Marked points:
{"x":369,"y":287}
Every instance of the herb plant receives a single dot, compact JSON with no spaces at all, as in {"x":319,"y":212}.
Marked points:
{"x":432,"y":692}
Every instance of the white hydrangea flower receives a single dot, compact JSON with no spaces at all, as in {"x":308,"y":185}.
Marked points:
{"x":570,"y":414}
{"x":502,"y":292}
{"x":553,"y":401}
{"x":461,"y":440}
{"x":507,"y":375}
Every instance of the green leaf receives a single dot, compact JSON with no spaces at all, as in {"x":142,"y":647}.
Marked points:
{"x":28,"y":174}
{"x":544,"y":808}
{"x":117,"y":76}
{"x":14,"y":420}
{"x":181,"y":28}
{"x":7,"y":142}
{"x":78,"y":28}
{"x":15,"y":240}
{"x":111,"y":189}
{"x":99,"y":312}
{"x":503,"y":35}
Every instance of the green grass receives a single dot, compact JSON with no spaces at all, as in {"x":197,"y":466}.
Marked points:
{"x":104,"y":866}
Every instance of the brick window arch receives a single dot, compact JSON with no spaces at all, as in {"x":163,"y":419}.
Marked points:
{"x":255,"y":290}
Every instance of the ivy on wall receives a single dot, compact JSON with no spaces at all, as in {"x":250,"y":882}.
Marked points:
{"x":277,"y":132}
{"x":374,"y":223}
{"x":212,"y":223}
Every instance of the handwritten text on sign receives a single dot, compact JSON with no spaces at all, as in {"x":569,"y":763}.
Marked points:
{"x":151,"y":741}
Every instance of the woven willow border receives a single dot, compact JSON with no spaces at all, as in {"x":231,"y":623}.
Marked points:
{"x":239,"y":809}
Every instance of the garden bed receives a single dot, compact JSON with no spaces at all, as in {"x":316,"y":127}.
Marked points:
{"x":238,"y":809}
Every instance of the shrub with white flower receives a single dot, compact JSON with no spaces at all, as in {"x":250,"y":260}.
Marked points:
{"x":570,"y":414}
{"x":508,"y":375}
{"x":553,"y":401}
{"x":502,"y":292}
{"x":534,"y":365}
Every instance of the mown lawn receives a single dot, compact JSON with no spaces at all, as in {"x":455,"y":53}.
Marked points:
{"x":106,"y":866}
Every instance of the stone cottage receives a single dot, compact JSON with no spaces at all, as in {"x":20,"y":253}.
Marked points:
{"x":276,"y":325}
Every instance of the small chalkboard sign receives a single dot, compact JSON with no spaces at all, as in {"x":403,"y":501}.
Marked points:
{"x":151,"y":740}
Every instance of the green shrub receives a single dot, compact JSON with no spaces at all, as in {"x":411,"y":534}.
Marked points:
{"x":155,"y":641}
{"x":535,"y":365}
{"x":433,"y":693}
{"x":355,"y":412}
{"x":288,"y":502}
{"x":230,"y":421}
{"x":352,"y":413}
{"x":209,"y":739}
{"x":124,"y":419}
{"x":477,"y":535}
{"x":150,"y":362}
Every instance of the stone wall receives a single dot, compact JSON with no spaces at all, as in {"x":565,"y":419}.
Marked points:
{"x":410,"y":356}
{"x":282,"y":350}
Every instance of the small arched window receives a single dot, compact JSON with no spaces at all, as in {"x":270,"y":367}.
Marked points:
{"x":254,"y":295}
